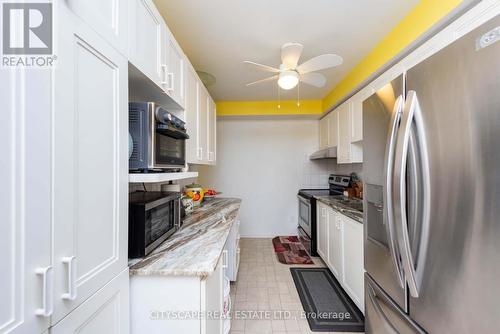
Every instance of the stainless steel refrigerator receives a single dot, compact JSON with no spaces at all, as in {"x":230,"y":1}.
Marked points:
{"x":432,"y":193}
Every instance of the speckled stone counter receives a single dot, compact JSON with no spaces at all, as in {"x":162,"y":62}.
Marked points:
{"x":195,"y":249}
{"x":337,"y":204}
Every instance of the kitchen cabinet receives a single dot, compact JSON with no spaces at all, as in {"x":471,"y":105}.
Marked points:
{"x":201,"y":122}
{"x":340,"y":245}
{"x":25,"y":205}
{"x":108,"y":17}
{"x":344,"y":147}
{"x":357,"y":113}
{"x":322,"y":214}
{"x":335,"y":244}
{"x":353,"y":259}
{"x":193,"y":152}
{"x":105,"y":312}
{"x":90,"y":164}
{"x":151,"y":295}
{"x":232,"y":247}
{"x":323,"y":133}
{"x":333,"y":128}
{"x":212,"y":128}
{"x":347,"y":151}
{"x":175,"y":85}
{"x":147,"y":48}
{"x":203,"y":110}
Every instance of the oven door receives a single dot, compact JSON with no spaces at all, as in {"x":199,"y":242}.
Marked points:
{"x":169,"y":150}
{"x":161,"y":222}
{"x":305,"y":214}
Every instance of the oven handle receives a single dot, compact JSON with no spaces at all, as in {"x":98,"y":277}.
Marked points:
{"x":170,"y":131}
{"x":303,"y":200}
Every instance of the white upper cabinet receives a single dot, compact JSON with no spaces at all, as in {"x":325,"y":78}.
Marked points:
{"x":175,"y":70}
{"x":90,"y":164}
{"x":147,"y":40}
{"x":357,"y":114}
{"x":212,"y":128}
{"x":203,"y":107}
{"x":107,"y":17}
{"x":333,"y":129}
{"x":193,"y":152}
{"x":344,"y":146}
{"x":201,"y":119}
{"x":347,"y":151}
{"x":323,"y":133}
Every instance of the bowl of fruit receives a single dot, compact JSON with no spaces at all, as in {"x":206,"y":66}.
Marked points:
{"x":209,"y":193}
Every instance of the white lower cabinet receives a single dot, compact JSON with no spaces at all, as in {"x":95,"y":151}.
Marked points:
{"x":173,"y":304}
{"x":322,"y":234}
{"x":232,"y":247}
{"x":340,"y":245}
{"x":106,"y":312}
{"x":353,"y":259}
{"x":335,"y":244}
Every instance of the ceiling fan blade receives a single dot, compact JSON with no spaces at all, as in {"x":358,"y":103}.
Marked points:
{"x":274,"y":77}
{"x":262,"y":67}
{"x":320,"y":63}
{"x":290,"y":54}
{"x":313,"y":79}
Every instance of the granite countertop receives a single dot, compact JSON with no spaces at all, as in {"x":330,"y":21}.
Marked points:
{"x":352,"y":208}
{"x":195,"y":249}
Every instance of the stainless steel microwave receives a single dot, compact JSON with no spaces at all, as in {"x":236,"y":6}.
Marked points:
{"x":158,"y":138}
{"x":153,"y":217}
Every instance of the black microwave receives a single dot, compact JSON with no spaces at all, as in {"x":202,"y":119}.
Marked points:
{"x":158,"y":138}
{"x":153,"y":217}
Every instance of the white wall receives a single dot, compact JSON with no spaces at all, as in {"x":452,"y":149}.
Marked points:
{"x":264,"y":162}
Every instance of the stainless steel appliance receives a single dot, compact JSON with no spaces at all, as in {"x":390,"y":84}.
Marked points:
{"x":307,"y":209}
{"x":431,"y":162}
{"x":153,"y":217}
{"x":158,"y":138}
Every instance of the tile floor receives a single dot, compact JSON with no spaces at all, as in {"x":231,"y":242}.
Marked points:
{"x":265,"y":300}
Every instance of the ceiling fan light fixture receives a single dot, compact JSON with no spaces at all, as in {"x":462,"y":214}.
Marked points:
{"x":288,"y":79}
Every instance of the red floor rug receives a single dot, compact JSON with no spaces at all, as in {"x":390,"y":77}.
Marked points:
{"x":290,"y":251}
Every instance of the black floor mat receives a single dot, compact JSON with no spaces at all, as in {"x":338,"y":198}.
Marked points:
{"x":328,"y":308}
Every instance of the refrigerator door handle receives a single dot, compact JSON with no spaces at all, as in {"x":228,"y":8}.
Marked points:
{"x":411,"y":113}
{"x":389,"y":327}
{"x":388,"y":198}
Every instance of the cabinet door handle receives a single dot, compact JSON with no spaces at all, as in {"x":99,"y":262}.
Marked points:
{"x":47,"y":301}
{"x":170,"y":77}
{"x":224,"y":259}
{"x":164,"y":80}
{"x":200,"y":153}
{"x":70,"y":263}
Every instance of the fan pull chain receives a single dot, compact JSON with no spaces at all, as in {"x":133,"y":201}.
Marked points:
{"x":279,"y":98}
{"x":298,"y":94}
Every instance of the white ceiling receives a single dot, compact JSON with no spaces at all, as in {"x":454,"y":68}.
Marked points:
{"x":218,"y":35}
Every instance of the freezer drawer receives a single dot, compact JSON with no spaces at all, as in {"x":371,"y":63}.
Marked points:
{"x":382,"y":315}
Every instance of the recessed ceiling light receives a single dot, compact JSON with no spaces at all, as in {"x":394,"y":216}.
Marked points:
{"x":207,"y":78}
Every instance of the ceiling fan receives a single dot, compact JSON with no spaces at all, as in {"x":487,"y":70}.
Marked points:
{"x":289,"y":73}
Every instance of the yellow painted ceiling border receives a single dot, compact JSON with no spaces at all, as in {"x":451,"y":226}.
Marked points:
{"x":269,"y":108}
{"x":420,"y":19}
